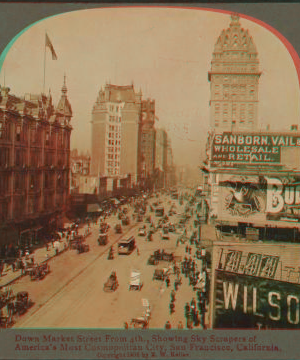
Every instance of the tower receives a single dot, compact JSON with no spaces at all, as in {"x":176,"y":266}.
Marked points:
{"x":234,"y":79}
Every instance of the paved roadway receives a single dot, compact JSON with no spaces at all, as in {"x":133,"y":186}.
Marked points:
{"x":72,"y":295}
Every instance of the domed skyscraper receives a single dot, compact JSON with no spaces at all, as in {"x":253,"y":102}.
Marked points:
{"x":234,"y":79}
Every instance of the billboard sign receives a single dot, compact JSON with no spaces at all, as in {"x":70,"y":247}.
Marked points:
{"x":256,"y":289}
{"x":261,"y":198}
{"x":244,"y":302}
{"x":231,"y":148}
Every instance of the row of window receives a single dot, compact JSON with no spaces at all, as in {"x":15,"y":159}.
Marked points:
{"x":35,"y":158}
{"x":21,"y":135}
{"x":114,"y":128}
{"x":116,"y":135}
{"x":113,"y":156}
{"x":116,"y":119}
{"x":110,"y":171}
{"x":113,"y":163}
{"x":235,"y":79}
{"x":113,"y":149}
{"x":20,"y":183}
{"x":114,"y":142}
{"x":114,"y":108}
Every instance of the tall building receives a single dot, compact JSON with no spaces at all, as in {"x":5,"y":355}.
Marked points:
{"x":170,"y":167}
{"x":160,"y":157}
{"x":234,"y":78}
{"x":34,"y":164}
{"x":116,"y":120}
{"x":148,"y":138}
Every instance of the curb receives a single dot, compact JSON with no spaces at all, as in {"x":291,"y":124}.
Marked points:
{"x":21,"y":275}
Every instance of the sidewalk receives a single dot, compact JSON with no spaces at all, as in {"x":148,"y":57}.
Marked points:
{"x":40,"y":255}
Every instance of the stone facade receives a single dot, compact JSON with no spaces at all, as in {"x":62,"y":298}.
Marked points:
{"x":116,"y":120}
{"x":234,"y":78}
{"x":34,"y":162}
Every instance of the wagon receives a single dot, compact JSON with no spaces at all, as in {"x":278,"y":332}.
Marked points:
{"x":160,"y":274}
{"x":153,"y":260}
{"x":125,"y":221}
{"x":39,"y":271}
{"x":142,"y":231}
{"x":21,"y":304}
{"x":75,"y":241}
{"x":103,"y":239}
{"x":135,"y":280}
{"x":104,"y":227}
{"x":111,"y":283}
{"x":165,"y":235}
{"x":83,"y":248}
{"x":139,"y":322}
{"x":118,"y":229}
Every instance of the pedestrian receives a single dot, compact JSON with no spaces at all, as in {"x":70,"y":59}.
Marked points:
{"x":172,"y":307}
{"x":173,"y":295}
{"x":126,"y":325}
{"x":138,"y":251}
{"x":167,"y":281}
{"x":180,"y":325}
{"x":168,"y":325}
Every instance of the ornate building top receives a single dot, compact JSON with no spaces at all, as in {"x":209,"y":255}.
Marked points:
{"x":235,"y":45}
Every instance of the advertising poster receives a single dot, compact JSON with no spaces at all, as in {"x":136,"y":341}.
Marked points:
{"x":149,"y":180}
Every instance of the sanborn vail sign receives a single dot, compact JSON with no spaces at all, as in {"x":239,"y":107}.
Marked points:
{"x":250,"y":148}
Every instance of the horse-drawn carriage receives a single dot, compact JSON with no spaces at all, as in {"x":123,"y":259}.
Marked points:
{"x":82,"y":248}
{"x":165,"y":234}
{"x":73,"y":243}
{"x":142,"y":322}
{"x":153,"y":260}
{"x":104,"y":227}
{"x":38,"y":272}
{"x":139,"y":322}
{"x":22,"y":303}
{"x":14,"y":305}
{"x":111,"y":283}
{"x":125,"y":220}
{"x":160,"y":274}
{"x":103,"y":239}
{"x":118,"y":229}
{"x":135,"y":280}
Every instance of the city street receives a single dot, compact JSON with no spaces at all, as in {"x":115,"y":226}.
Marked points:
{"x":72,"y":295}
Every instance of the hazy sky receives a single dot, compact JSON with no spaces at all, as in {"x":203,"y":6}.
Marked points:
{"x":166,"y":52}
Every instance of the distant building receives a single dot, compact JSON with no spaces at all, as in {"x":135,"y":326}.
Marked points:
{"x":170,"y":167}
{"x":234,"y":79}
{"x":116,"y":120}
{"x":80,"y":165}
{"x":34,"y":164}
{"x":161,"y":157}
{"x":147,"y":138}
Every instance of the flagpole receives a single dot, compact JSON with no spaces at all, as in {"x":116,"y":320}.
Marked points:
{"x":44,"y":67}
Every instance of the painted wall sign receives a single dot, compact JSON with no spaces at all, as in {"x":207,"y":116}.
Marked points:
{"x":262,"y":199}
{"x":244,"y":301}
{"x":230,"y":148}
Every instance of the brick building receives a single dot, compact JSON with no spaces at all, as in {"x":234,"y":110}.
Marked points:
{"x":34,"y":164}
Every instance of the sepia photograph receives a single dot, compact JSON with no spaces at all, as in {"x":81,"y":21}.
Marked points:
{"x":149,"y":180}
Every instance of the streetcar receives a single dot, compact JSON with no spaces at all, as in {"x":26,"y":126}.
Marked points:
{"x":126,"y":246}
